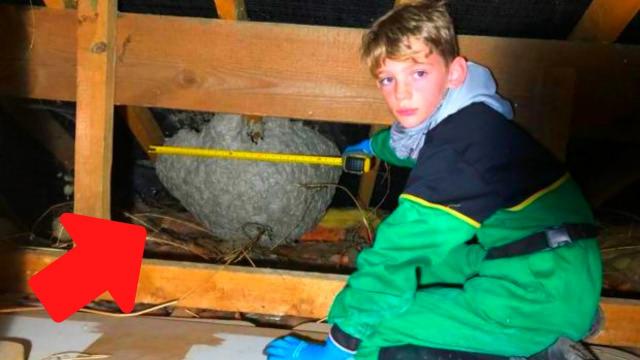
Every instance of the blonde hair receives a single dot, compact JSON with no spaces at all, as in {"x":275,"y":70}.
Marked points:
{"x":425,"y":20}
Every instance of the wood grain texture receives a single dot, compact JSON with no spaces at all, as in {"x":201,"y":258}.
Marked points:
{"x":231,"y":9}
{"x":298,"y":71}
{"x":55,"y":4}
{"x":266,"y":291}
{"x":94,"y":107}
{"x":139,"y":119}
{"x":61,"y":4}
{"x":621,"y":323}
{"x":144,"y":127}
{"x":604,"y":20}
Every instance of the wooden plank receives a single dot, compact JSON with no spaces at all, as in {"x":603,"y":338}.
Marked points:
{"x":144,"y":127}
{"x":55,"y":4}
{"x":236,"y":10}
{"x":139,"y":119}
{"x":605,"y":20}
{"x":231,"y":288}
{"x":621,"y":323}
{"x":231,"y":9}
{"x":286,"y":85}
{"x":226,"y":288}
{"x":94,"y":107}
{"x":157,"y":67}
{"x":38,"y":61}
{"x":61,"y":4}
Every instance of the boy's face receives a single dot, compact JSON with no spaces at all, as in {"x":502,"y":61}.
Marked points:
{"x":413,"y":88}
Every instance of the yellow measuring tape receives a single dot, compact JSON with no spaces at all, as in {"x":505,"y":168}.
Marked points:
{"x":353,"y":163}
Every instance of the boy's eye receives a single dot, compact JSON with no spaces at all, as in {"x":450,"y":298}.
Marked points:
{"x":420,"y":73}
{"x":385,"y":81}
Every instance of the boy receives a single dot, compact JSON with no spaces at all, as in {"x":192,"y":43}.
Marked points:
{"x":491,"y":252}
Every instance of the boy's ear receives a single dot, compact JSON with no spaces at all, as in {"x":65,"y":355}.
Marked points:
{"x":457,"y":72}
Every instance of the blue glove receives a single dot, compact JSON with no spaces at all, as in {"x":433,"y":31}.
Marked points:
{"x":363,"y":146}
{"x":291,"y":347}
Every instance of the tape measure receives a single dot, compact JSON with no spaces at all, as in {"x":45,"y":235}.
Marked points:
{"x":351,"y":163}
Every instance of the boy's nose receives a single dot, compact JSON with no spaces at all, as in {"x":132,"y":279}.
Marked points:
{"x":403,"y":91}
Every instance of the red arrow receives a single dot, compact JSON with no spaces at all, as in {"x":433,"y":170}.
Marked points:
{"x":107,"y":257}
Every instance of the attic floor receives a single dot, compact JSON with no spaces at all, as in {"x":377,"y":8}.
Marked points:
{"x":138,"y":338}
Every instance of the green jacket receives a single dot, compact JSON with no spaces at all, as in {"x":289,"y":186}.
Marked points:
{"x":479,"y":182}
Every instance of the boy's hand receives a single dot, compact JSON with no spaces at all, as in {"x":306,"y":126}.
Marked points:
{"x":363,"y":146}
{"x":291,"y":347}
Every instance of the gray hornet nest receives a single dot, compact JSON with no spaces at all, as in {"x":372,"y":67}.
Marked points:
{"x":243,"y":201}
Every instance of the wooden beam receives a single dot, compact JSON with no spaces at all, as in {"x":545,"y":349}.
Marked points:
{"x":621,"y":323}
{"x":94,"y":107}
{"x":232,"y":288}
{"x":156,"y":67}
{"x":226,"y":288}
{"x":605,"y":20}
{"x":236,"y":10}
{"x":231,"y":9}
{"x":139,"y":119}
{"x":144,"y":127}
{"x":61,"y":4}
{"x":55,"y":4}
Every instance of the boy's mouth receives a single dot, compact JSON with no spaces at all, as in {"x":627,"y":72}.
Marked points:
{"x":406,"y":112}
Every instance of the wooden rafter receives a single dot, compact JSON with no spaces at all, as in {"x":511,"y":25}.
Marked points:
{"x":605,"y":20}
{"x":139,"y":119}
{"x":61,"y":4}
{"x":144,"y":127}
{"x":231,"y":9}
{"x":48,"y":132}
{"x":94,"y":106}
{"x":236,"y":10}
{"x":157,"y":68}
{"x":232,"y":288}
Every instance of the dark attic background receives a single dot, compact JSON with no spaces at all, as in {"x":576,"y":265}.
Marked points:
{"x":603,"y":157}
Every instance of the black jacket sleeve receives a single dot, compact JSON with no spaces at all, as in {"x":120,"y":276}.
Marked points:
{"x":476,"y":162}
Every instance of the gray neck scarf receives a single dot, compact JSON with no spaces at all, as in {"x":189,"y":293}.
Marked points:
{"x":479,"y":86}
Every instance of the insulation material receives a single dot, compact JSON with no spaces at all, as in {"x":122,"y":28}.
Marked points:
{"x":245,"y":201}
